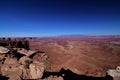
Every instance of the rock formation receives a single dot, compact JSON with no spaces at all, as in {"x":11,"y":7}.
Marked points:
{"x":21,"y":68}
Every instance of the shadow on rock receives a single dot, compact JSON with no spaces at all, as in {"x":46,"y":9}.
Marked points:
{"x":3,"y":78}
{"x":69,"y":75}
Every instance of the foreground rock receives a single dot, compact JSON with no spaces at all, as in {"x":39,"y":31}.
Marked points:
{"x":3,"y":50}
{"x":11,"y":69}
{"x":24,"y":67}
{"x":15,"y":71}
{"x":36,"y":70}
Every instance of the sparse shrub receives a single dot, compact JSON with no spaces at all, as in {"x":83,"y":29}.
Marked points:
{"x":26,"y":65}
{"x":9,"y":47}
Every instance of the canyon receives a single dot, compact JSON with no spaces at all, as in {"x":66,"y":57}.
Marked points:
{"x":62,"y":57}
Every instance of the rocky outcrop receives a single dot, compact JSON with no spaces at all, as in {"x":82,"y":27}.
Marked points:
{"x":24,"y":67}
{"x":13,"y":72}
{"x":25,"y":52}
{"x":11,"y":69}
{"x":38,"y":66}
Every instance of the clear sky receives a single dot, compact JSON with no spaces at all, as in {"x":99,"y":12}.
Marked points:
{"x":59,"y":17}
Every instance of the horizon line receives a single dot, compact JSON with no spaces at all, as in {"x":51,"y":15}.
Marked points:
{"x":72,"y":35}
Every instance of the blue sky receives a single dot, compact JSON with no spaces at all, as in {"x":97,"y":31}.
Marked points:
{"x":59,"y":17}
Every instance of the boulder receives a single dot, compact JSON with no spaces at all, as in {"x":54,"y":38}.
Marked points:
{"x":4,"y":50}
{"x":36,"y":71}
{"x":42,"y":58}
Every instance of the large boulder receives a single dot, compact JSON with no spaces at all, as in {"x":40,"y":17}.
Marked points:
{"x":36,"y":70}
{"x":4,"y":50}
